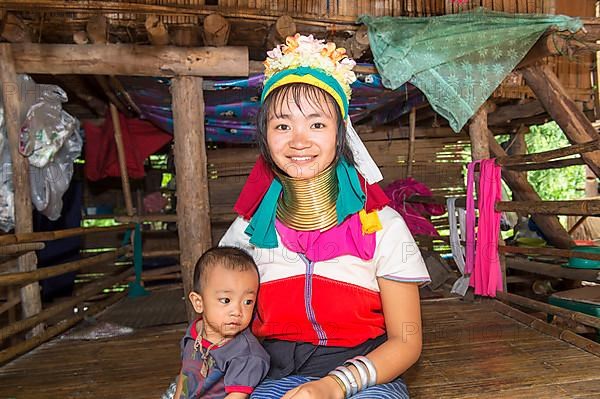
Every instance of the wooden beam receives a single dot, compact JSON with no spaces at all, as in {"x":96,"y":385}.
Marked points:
{"x":14,"y":30}
{"x":517,"y":181}
{"x":280,"y":30}
{"x":561,"y":163}
{"x":193,"y":208}
{"x":549,"y":155}
{"x":505,"y":114}
{"x":563,"y":110}
{"x":549,"y":269}
{"x":562,"y":253}
{"x":539,"y":325}
{"x":216,"y":30}
{"x":160,"y":217}
{"x":157,"y":31}
{"x":39,"y":236}
{"x":85,"y":293}
{"x":358,"y":44}
{"x":57,"y":270}
{"x":548,"y":45}
{"x":575,"y":207}
{"x":9,"y":304}
{"x":97,"y":29}
{"x":132,"y":60}
{"x":579,"y":317}
{"x":13,"y":249}
{"x":577,"y":224}
{"x":30,"y":294}
{"x":62,"y":326}
{"x":122,"y":159}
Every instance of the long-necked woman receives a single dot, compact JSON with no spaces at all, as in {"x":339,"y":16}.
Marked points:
{"x":338,"y":308}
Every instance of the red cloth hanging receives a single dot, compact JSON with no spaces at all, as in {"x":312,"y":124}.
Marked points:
{"x":140,"y":140}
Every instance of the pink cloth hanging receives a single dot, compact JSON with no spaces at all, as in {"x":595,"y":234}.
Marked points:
{"x":414,"y":214}
{"x":482,"y":247}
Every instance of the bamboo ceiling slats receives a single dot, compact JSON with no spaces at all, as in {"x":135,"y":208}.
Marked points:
{"x":187,"y":11}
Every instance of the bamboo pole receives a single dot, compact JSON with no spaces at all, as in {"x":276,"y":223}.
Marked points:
{"x":85,"y":293}
{"x":576,"y":225}
{"x":59,"y":234}
{"x":193,"y":208}
{"x":166,"y":252}
{"x":579,"y":317}
{"x":549,"y":269}
{"x":411,"y":141}
{"x":52,"y":271}
{"x":575,"y":207}
{"x":130,"y":60}
{"x":147,"y":218}
{"x":13,"y":249}
{"x":545,"y":156}
{"x":539,"y":325}
{"x":58,"y":328}
{"x":561,"y":163}
{"x":564,"y":253}
{"x":122,"y":159}
{"x":30,"y":294}
{"x":9,"y":304}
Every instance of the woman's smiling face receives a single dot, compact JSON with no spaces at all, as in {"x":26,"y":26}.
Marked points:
{"x":301,"y":134}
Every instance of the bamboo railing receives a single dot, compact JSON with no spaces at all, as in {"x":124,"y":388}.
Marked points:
{"x":12,"y":244}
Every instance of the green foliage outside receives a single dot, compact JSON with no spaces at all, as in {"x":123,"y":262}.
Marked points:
{"x":554,"y":184}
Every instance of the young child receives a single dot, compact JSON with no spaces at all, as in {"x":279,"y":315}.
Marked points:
{"x":220,"y":356}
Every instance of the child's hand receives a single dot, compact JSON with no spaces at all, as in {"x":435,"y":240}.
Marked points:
{"x":325,"y":388}
{"x":236,"y":395}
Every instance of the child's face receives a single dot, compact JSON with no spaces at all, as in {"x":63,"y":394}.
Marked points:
{"x":302,"y":136}
{"x":227,"y":301}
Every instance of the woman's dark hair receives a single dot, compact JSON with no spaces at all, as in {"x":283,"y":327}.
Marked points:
{"x":295,"y":91}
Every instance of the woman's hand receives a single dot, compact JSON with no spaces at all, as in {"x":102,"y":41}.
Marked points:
{"x":325,"y":388}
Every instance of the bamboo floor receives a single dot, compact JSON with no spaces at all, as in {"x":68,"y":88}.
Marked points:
{"x":470,"y":351}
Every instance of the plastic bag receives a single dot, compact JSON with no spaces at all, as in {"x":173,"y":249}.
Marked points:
{"x":49,"y":183}
{"x":46,"y":126}
{"x":50,"y":138}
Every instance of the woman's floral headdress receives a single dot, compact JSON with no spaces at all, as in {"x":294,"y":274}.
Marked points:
{"x":304,"y":59}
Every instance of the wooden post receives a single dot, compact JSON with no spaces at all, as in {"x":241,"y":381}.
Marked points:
{"x":478,"y":131}
{"x":30,"y":294}
{"x":191,"y":177}
{"x":122,"y":159}
{"x":563,"y":110}
{"x":517,"y":181}
{"x":411,"y":141}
